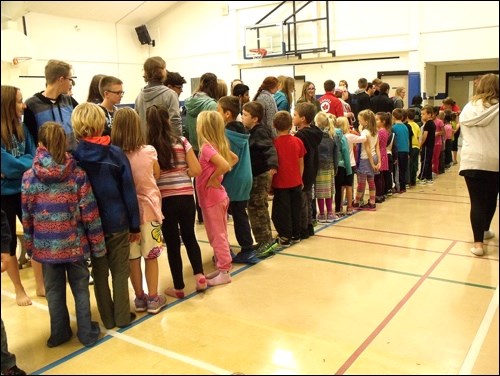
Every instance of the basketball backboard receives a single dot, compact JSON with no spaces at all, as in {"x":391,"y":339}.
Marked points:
{"x":262,"y":41}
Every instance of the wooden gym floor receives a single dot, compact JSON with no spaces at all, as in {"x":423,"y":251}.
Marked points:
{"x":394,"y":291}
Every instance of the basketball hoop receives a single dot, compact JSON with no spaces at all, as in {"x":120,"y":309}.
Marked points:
{"x":259,"y":52}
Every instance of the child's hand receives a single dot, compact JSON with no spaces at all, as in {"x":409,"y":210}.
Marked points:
{"x":134,"y":237}
{"x":213,"y":183}
{"x":272,"y":171}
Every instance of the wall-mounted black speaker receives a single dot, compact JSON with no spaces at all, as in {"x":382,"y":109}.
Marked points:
{"x":143,"y":35}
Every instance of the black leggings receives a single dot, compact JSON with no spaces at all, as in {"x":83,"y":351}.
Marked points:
{"x":483,"y":192}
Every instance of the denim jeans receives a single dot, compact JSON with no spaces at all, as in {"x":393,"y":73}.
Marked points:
{"x":54,"y":276}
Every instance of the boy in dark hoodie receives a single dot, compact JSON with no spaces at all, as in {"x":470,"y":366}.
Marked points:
{"x":264,"y":160}
{"x":53,"y":103}
{"x":238,"y":181}
{"x":311,"y":135}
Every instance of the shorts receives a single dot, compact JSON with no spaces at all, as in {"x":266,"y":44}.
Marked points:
{"x":151,"y":243}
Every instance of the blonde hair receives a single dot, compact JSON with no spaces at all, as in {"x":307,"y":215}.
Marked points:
{"x":88,"y":120}
{"x":126,"y":132}
{"x":369,"y":117}
{"x":325,"y":122}
{"x":487,"y":90}
{"x":210,"y":129}
{"x":343,"y":123}
{"x":52,"y":136}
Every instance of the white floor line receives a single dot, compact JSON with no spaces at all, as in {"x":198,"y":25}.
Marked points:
{"x":170,"y":354}
{"x":482,"y":332}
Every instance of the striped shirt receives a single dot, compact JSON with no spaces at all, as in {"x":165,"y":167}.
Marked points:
{"x":176,"y":182}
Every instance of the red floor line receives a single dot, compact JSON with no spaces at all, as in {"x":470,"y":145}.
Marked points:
{"x":356,"y":354}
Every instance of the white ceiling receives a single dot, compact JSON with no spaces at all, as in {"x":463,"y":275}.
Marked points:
{"x":122,"y":12}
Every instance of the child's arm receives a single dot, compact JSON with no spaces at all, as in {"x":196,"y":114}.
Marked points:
{"x":424,"y":137}
{"x":194,"y":167}
{"x":377,"y":150}
{"x":367,"y":146}
{"x":301,"y":168}
{"x":156,"y":169}
{"x":234,"y":159}
{"x":221,"y":167}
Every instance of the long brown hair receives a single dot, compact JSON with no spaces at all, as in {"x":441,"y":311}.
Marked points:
{"x":268,"y":84}
{"x":52,"y":136}
{"x":161,"y":136}
{"x":11,"y":124}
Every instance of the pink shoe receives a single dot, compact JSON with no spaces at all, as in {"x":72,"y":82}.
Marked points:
{"x":201,"y":282}
{"x":221,"y":279}
{"x":170,"y":291}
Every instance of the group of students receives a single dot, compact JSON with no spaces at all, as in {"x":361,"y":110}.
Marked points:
{"x":114,"y":188}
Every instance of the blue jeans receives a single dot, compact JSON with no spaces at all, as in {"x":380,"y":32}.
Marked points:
{"x":54,"y":276}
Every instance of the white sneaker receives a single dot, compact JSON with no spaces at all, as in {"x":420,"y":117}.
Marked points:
{"x":488,"y":235}
{"x":477,"y":251}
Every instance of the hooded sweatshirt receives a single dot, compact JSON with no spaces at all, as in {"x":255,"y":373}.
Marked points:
{"x":194,"y":105}
{"x":111,"y":177}
{"x":60,"y":216}
{"x":238,"y":181}
{"x":479,"y":127}
{"x":311,"y":137}
{"x":40,"y":109}
{"x":15,"y":162}
{"x":159,"y":94}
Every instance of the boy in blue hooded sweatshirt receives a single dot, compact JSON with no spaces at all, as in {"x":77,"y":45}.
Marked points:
{"x":238,"y":181}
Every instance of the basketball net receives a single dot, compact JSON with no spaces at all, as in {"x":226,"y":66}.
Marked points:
{"x":258,"y":54}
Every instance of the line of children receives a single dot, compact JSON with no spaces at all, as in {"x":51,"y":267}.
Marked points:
{"x":238,"y":181}
{"x":128,"y":135}
{"x":216,"y":158}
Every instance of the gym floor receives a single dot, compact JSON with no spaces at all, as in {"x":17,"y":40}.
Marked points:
{"x":394,"y":291}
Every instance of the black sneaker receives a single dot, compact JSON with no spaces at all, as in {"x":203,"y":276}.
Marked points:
{"x":283,"y":242}
{"x":15,"y":370}
{"x":246,"y":257}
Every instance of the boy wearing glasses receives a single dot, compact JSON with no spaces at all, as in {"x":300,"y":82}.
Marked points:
{"x":111,"y":89}
{"x":53,"y":103}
